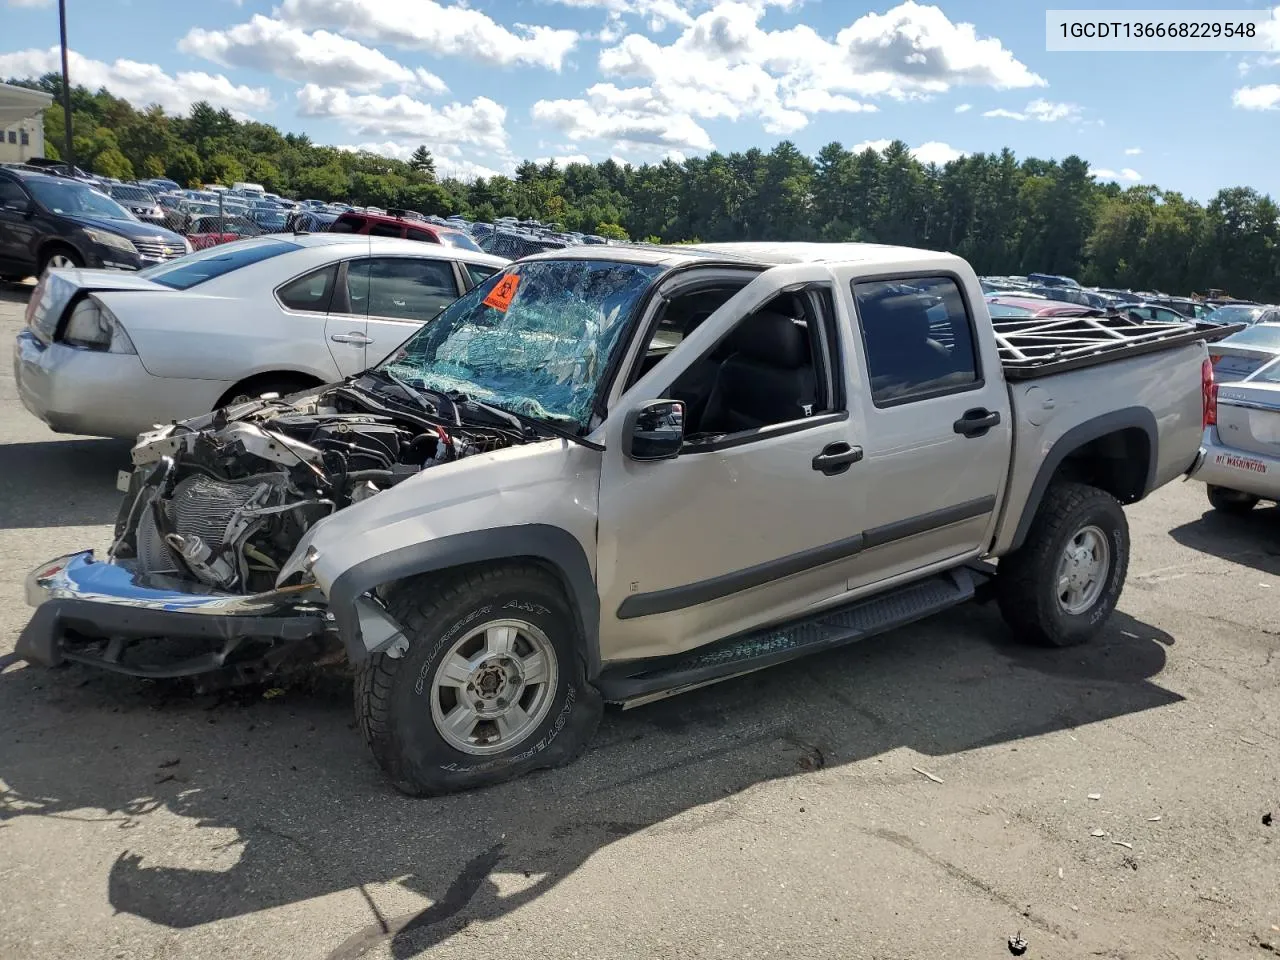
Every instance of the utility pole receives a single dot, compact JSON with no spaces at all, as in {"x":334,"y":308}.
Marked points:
{"x":68,"y":153}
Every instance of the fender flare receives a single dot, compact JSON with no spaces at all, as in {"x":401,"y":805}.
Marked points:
{"x":1129,"y":418}
{"x":556,"y":547}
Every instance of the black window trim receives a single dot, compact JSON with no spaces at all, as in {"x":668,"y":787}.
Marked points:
{"x":333,"y":294}
{"x":978,"y":383}
{"x":728,"y":441}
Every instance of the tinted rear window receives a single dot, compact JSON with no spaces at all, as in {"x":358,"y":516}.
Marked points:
{"x":196,"y":268}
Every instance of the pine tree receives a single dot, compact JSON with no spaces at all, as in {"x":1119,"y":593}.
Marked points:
{"x":423,"y":162}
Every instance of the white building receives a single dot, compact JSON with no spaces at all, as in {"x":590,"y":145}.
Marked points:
{"x":21,"y":123}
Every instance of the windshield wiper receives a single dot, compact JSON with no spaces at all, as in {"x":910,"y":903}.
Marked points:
{"x":416,"y":394}
{"x":536,"y":423}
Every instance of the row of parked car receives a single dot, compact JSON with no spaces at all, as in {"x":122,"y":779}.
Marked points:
{"x":1049,"y":295}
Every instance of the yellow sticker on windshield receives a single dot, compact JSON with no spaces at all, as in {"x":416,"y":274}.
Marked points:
{"x":500,"y":296}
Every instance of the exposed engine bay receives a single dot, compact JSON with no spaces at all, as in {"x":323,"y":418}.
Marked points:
{"x":225,"y":499}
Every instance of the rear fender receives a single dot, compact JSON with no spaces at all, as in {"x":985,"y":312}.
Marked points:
{"x":1130,"y":418}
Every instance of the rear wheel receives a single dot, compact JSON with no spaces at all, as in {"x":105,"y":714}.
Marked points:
{"x":1231,"y":501}
{"x":1061,"y":585}
{"x":492,"y":686}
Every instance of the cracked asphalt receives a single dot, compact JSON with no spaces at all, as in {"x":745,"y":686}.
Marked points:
{"x":795,"y":812}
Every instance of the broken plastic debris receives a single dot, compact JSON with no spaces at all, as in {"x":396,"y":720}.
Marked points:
{"x":1154,"y":819}
{"x":1098,"y":833}
{"x":1017,"y":945}
{"x":272,"y":693}
{"x":1095,"y":796}
{"x":1121,"y":843}
{"x":1252,"y":743}
{"x":926,"y":773}
{"x":1061,"y":874}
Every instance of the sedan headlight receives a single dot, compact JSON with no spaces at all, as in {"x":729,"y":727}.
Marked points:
{"x":112,"y":240}
{"x":94,"y":327}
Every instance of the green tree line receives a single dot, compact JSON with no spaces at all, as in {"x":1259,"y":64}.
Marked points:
{"x":1004,"y":215}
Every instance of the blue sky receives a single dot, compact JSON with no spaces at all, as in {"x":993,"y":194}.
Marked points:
{"x":489,"y":82}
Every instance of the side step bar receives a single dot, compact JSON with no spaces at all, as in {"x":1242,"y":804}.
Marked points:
{"x":641,"y":681}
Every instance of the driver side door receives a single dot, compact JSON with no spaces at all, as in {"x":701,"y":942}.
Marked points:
{"x":748,"y":525}
{"x":17,"y":229}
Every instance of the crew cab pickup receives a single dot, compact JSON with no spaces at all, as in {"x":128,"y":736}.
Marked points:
{"x":610,"y":474}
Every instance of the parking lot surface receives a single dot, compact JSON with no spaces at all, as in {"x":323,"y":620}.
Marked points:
{"x":926,"y":794}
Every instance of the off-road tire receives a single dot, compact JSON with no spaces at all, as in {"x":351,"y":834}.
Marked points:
{"x":1226,"y":500}
{"x":393,"y":696}
{"x":1027,"y":578}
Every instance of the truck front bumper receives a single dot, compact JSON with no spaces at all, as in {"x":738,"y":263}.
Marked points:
{"x":94,"y":613}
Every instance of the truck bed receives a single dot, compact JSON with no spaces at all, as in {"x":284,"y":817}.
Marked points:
{"x":1041,"y":347}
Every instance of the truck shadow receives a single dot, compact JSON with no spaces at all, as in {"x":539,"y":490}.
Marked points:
{"x":1252,"y":539}
{"x":313,"y":816}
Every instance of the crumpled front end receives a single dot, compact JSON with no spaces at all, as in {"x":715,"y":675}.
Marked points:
{"x":107,"y":615}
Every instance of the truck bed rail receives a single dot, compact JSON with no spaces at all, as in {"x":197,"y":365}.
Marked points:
{"x":1041,"y":347}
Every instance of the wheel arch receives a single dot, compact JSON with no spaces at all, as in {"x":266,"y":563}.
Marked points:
{"x":302,"y":378}
{"x":49,"y":244}
{"x":552,"y":548}
{"x":1116,"y":452}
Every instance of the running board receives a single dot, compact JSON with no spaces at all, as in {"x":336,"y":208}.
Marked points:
{"x":641,"y":681}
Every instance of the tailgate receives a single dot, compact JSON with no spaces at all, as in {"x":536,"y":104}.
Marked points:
{"x":1249,"y":418}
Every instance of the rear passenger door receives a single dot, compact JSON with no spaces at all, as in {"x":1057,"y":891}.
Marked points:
{"x":936,"y":424}
{"x":396,"y":296}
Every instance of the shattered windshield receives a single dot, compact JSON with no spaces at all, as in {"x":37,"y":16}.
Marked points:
{"x":535,"y":339}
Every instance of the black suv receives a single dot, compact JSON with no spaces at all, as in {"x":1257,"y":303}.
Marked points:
{"x":55,"y":221}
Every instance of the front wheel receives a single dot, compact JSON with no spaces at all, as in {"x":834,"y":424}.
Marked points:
{"x":60,"y":258}
{"x":492,"y":686}
{"x":1062,"y":584}
{"x":1231,"y":501}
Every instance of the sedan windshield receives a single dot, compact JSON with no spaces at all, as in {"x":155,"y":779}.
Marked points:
{"x":76,"y":198}
{"x":1234,"y":313}
{"x":535,"y":339}
{"x":458,"y":240}
{"x":132,"y":195}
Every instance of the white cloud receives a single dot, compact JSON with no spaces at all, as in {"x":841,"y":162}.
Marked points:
{"x":631,"y":116}
{"x":1042,"y":110}
{"x":140,"y":83}
{"x":388,"y":148}
{"x":964,"y":108}
{"x":876,"y":145}
{"x":320,"y":57}
{"x":1132,"y":151}
{"x":658,"y":12}
{"x":480,"y":122}
{"x":1127,"y":174}
{"x":936,"y":152}
{"x":1264,"y":97}
{"x":563,"y":162}
{"x":815,"y":100}
{"x":454,"y":31}
{"x":725,"y":65}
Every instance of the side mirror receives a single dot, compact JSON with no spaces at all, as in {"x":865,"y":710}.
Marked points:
{"x":654,"y":431}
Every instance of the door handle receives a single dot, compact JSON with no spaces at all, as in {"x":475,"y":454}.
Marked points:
{"x":976,"y":422}
{"x":359,"y":338}
{"x":836,"y":458}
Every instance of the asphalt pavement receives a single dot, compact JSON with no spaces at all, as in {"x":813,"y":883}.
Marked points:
{"x":926,"y":794}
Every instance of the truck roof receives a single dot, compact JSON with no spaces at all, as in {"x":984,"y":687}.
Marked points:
{"x":764,"y":254}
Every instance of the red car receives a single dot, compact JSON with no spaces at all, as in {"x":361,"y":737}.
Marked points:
{"x":1014,"y":306}
{"x":395,"y":224}
{"x":203,"y":232}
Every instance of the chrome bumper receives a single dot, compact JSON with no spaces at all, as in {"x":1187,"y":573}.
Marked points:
{"x":80,"y":603}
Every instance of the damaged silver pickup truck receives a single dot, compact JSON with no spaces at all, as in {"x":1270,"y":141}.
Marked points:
{"x":613,"y":474}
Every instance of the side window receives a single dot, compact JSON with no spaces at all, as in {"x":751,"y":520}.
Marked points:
{"x":311,"y":291}
{"x":771,"y":368}
{"x":384,"y":230}
{"x":11,"y":193}
{"x":344,"y":226}
{"x":404,"y":288}
{"x":477,"y":274}
{"x":421,"y":236}
{"x":918,"y":338}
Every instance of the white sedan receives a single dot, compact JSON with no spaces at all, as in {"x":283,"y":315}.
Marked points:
{"x":107,"y":353}
{"x":1240,"y":453}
